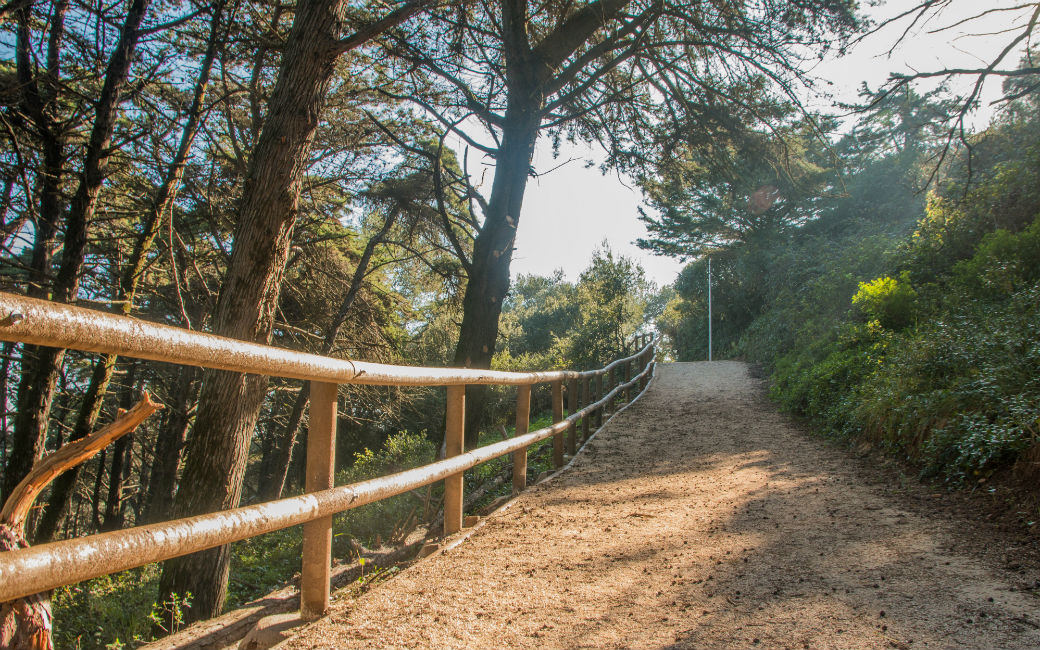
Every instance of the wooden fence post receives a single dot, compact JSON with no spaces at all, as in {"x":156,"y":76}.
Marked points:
{"x":573,"y":405}
{"x":585,"y":399}
{"x":317,"y":534}
{"x":626,"y":375}
{"x":557,"y":408}
{"x":523,"y":421}
{"x":454,"y":425}
{"x":611,"y":385}
{"x":642,"y":367}
{"x":598,"y":396}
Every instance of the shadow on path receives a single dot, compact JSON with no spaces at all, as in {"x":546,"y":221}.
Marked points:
{"x":698,"y":518}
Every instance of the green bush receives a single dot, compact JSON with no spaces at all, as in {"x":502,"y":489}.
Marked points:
{"x":112,"y":611}
{"x":938,"y":362}
{"x":888,"y":300}
{"x":384,"y":518}
{"x":1004,"y":263}
{"x":819,"y":382}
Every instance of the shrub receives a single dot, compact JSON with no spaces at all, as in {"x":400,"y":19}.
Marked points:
{"x":384,"y":518}
{"x":110,"y":611}
{"x":887,"y":300}
{"x":1004,"y":263}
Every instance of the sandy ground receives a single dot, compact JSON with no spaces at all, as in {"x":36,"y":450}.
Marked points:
{"x":701,"y":518}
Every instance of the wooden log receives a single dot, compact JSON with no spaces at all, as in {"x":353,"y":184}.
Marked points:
{"x":573,"y":406}
{"x":584,"y":400}
{"x":40,"y":322}
{"x":598,"y":396}
{"x":48,"y":468}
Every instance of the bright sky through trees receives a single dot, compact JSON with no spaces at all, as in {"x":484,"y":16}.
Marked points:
{"x":570,"y":211}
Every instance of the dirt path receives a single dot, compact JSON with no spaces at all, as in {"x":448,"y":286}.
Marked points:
{"x":699,"y":518}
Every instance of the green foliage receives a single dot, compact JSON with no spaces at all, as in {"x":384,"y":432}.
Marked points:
{"x":957,"y":392}
{"x":384,"y":519}
{"x":729,"y":178}
{"x":612,"y":294}
{"x":110,"y":611}
{"x":889,"y":301}
{"x":914,"y":326}
{"x":961,"y":394}
{"x":1005,"y":262}
{"x":549,"y":323}
{"x":538,"y":313}
{"x":821,"y":384}
{"x":261,"y":564}
{"x":539,"y":459}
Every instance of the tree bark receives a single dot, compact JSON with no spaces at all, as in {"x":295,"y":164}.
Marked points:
{"x":529,"y":75}
{"x":95,"y":500}
{"x":129,"y":281}
{"x":36,"y":387}
{"x":229,"y":403}
{"x":5,"y":366}
{"x":493,"y":252}
{"x":36,"y":390}
{"x":37,"y":102}
{"x":162,"y":486}
{"x":120,"y":461}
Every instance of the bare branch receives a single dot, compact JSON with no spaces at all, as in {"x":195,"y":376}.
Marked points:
{"x":48,"y":468}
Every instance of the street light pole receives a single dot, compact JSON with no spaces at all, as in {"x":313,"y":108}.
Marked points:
{"x":709,"y":309}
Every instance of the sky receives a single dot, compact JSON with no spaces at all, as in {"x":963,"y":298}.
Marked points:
{"x":570,"y":211}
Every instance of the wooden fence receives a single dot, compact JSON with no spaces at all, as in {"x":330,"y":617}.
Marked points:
{"x":27,"y":571}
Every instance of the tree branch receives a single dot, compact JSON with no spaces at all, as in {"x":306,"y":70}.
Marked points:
{"x":48,"y":468}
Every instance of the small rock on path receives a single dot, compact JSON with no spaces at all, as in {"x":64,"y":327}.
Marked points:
{"x":698,"y":518}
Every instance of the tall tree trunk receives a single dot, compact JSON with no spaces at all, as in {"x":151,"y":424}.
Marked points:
{"x":8,"y":228}
{"x":493,"y":252}
{"x":113,"y":518}
{"x":5,"y":367}
{"x":95,"y":500}
{"x":120,"y":461}
{"x":272,"y":481}
{"x":36,"y":390}
{"x":229,"y":403}
{"x":162,"y":486}
{"x":36,"y":386}
{"x":38,"y":99}
{"x":129,"y":280}
{"x":528,"y":78}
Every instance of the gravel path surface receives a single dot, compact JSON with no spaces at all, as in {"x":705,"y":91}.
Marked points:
{"x":699,"y":518}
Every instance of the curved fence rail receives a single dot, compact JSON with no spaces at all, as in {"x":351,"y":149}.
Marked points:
{"x":591,"y":394}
